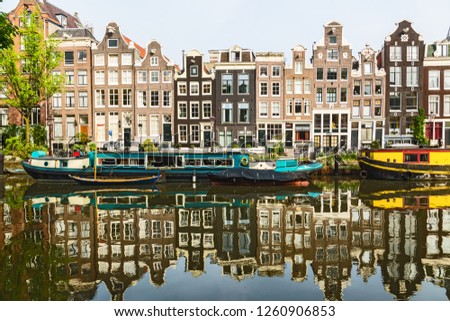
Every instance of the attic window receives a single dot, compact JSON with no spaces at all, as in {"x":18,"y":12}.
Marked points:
{"x":235,"y":56}
{"x":113,"y":43}
{"x":333,"y":39}
{"x":62,"y":20}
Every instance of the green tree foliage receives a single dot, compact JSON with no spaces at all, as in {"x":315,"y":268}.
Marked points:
{"x":27,"y":77}
{"x":418,"y":128}
{"x":7,"y":31}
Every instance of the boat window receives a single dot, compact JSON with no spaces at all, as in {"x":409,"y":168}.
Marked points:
{"x":63,"y":164}
{"x":108,"y":161}
{"x":424,"y":158}
{"x":224,"y":162}
{"x":193,"y":162}
{"x":411,"y":157}
{"x":208,"y":162}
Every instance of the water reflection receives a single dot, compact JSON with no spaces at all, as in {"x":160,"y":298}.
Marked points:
{"x":65,"y":243}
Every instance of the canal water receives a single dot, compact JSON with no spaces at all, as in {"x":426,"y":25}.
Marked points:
{"x":334,"y":240}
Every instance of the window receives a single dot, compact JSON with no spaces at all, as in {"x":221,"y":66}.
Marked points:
{"x":332,"y":39}
{"x":307,"y":86}
{"x":367,"y":110}
{"x":126,"y":59}
{"x":298,"y":67}
{"x":243,"y":112}
{"x":154,"y":61}
{"x":319,"y":74}
{"x":378,"y":87}
{"x":82,"y":99}
{"x":82,"y":77}
{"x":99,"y":60}
{"x":263,"y":71}
{"x":227,"y":113}
{"x":412,"y":76}
{"x":193,"y":70}
{"x":356,"y":108}
{"x":378,"y":107}
{"x":343,"y":95}
{"x":433,"y":104}
{"x":142,"y":124}
{"x":182,"y":89}
{"x":433,"y":79}
{"x":195,"y":133}
{"x":142,"y":98}
{"x":57,"y":100}
{"x":167,"y":98}
{"x":411,"y":101}
{"x":368,"y":87}
{"x":412,"y":53}
{"x":194,"y":88}
{"x":113,"y":77}
{"x":275,"y":109}
{"x":332,"y":54}
{"x":275,"y":89}
{"x":227,"y":84}
{"x":182,"y":110}
{"x":57,"y":130}
{"x":206,"y":88}
{"x":307,"y":106}
{"x":154,"y":76}
{"x":288,"y":107}
{"x":126,"y":97}
{"x":126,"y":77}
{"x":276,"y":71}
{"x":142,"y":76}
{"x":319,"y":98}
{"x":243,"y":82}
{"x":331,"y":95}
{"x":113,"y":43}
{"x":288,"y":86}
{"x":344,"y":74}
{"x":235,"y":56}
{"x":113,"y":60}
{"x":447,"y":105}
{"x":195,"y":110}
{"x":182,"y":132}
{"x":70,"y":99}
{"x":167,"y":76}
{"x":357,"y":87}
{"x":154,"y":98}
{"x":446,"y":79}
{"x":367,"y":68}
{"x":206,"y":107}
{"x":298,"y":106}
{"x":298,"y":86}
{"x":263,"y":109}
{"x":82,"y":56}
{"x":113,"y":97}
{"x":395,"y":101}
{"x":70,"y":77}
{"x":100,"y":98}
{"x":395,"y":76}
{"x":263,"y":89}
{"x":68,"y":58}
{"x":274,"y":131}
{"x":395,"y":53}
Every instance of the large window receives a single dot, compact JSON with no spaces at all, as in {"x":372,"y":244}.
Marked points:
{"x":263,"y":109}
{"x":100,"y":98}
{"x":263,"y":89}
{"x":182,"y":133}
{"x":195,"y":110}
{"x":411,"y":101}
{"x":182,"y":110}
{"x":433,"y":104}
{"x":126,"y":59}
{"x":167,"y":76}
{"x":276,"y":89}
{"x":207,"y":110}
{"x":167,"y":98}
{"x":395,"y":76}
{"x":126,"y":77}
{"x":70,"y":99}
{"x":331,"y":95}
{"x":276,"y":109}
{"x":446,"y":79}
{"x":82,"y":77}
{"x":227,"y":113}
{"x":395,"y":100}
{"x":412,"y":53}
{"x":113,"y":77}
{"x":357,"y":87}
{"x":227,"y":84}
{"x":447,"y":105}
{"x":433,"y":79}
{"x":142,"y":98}
{"x":395,"y":53}
{"x":113,"y":60}
{"x":319,"y":74}
{"x":195,"y":133}
{"x":126,"y":97}
{"x":274,"y":131}
{"x":154,"y":76}
{"x":142,"y":76}
{"x":83,"y":99}
{"x":243,"y":112}
{"x":367,"y":87}
{"x":68,"y":58}
{"x":243,"y":82}
{"x":154,"y":98}
{"x":113,"y":97}
{"x":332,"y":74}
{"x":332,"y":54}
{"x":412,"y":76}
{"x":319,"y":97}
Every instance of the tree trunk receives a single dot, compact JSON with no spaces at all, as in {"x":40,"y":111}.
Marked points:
{"x":27,"y":129}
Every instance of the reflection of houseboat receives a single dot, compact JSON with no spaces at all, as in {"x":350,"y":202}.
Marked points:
{"x":410,"y":163}
{"x":173,"y":165}
{"x":405,"y":195}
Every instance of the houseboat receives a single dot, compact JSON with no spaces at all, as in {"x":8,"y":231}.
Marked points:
{"x":405,"y":163}
{"x":173,"y":165}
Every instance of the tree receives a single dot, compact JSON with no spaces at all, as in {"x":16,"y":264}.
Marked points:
{"x":27,"y":76}
{"x":7,"y":31}
{"x":418,"y":128}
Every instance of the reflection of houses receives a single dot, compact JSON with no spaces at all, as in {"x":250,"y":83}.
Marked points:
{"x":437,"y":256}
{"x":196,"y":220}
{"x":402,"y":269}
{"x":270,"y":233}
{"x":236,"y":239}
{"x":332,"y":235}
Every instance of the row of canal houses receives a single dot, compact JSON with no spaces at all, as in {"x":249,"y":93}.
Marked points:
{"x":118,"y":90}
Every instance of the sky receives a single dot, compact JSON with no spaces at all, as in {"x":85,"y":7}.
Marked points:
{"x":260,"y":25}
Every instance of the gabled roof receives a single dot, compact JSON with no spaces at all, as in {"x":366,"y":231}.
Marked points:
{"x":53,"y":11}
{"x":139,"y":48}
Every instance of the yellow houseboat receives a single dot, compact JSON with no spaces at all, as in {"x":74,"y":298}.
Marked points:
{"x":405,"y":163}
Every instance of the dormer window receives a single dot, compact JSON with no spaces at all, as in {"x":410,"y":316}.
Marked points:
{"x":113,"y":43}
{"x":62,"y":20}
{"x":235,"y":56}
{"x":194,"y":71}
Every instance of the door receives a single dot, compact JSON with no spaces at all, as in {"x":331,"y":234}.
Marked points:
{"x":262,"y":137}
{"x":207,"y":138}
{"x":127,"y":137}
{"x":167,"y":132}
{"x":289,"y":138}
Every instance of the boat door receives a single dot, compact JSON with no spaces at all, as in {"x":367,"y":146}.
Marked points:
{"x":179,"y":161}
